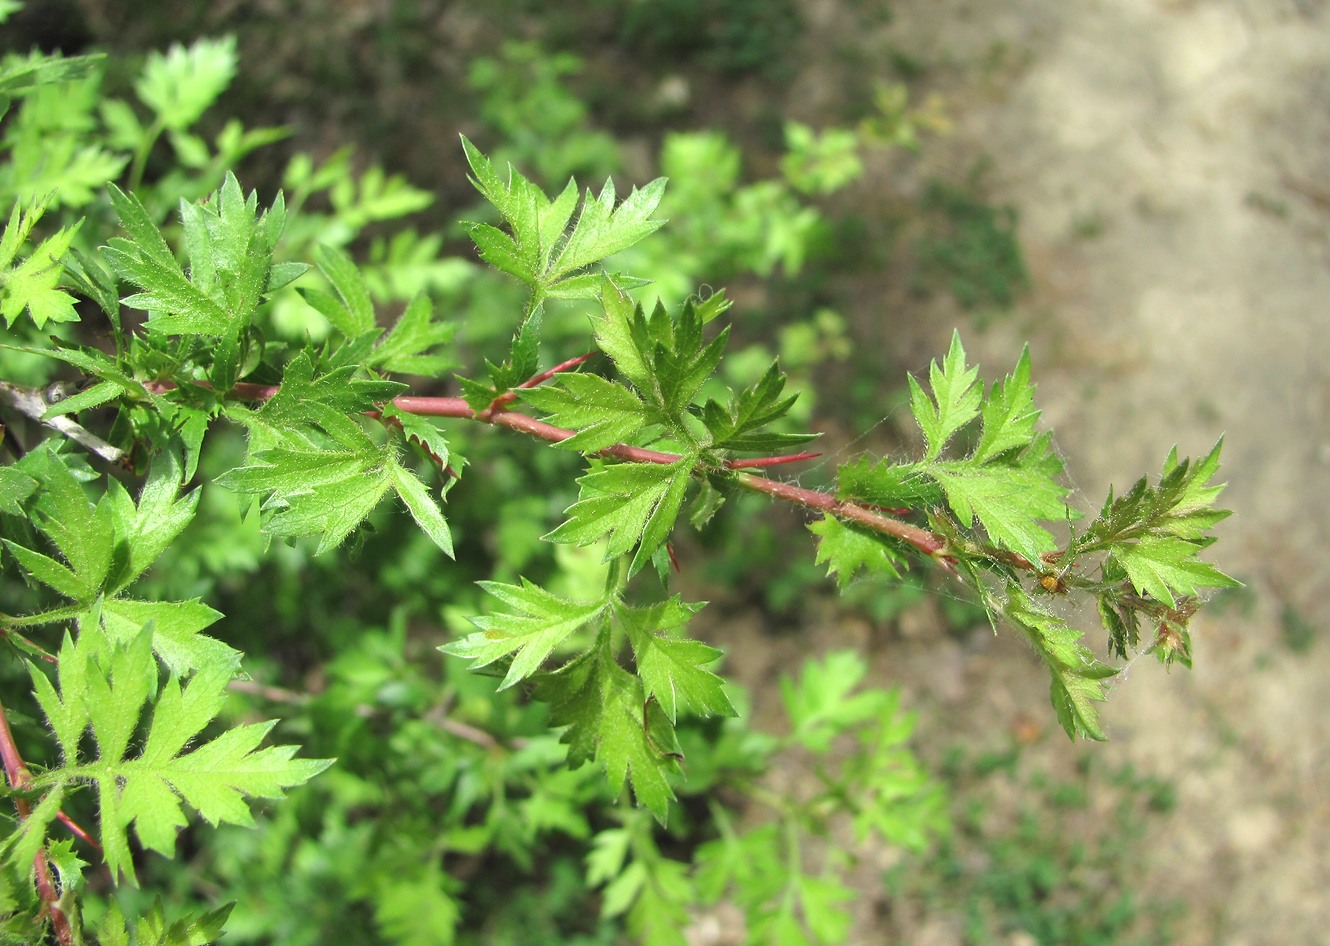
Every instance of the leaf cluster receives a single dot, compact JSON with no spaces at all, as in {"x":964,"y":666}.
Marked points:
{"x":134,"y":691}
{"x":624,"y":721}
{"x":1138,"y":558}
{"x":135,"y":671}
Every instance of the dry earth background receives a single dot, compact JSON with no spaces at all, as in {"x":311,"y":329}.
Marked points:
{"x":1196,"y":138}
{"x":1170,"y":160}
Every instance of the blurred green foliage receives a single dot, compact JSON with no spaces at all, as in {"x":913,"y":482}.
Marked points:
{"x":734,"y":37}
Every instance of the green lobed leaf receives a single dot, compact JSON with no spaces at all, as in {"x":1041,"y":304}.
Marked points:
{"x":500,"y":251}
{"x":15,"y":487}
{"x":330,"y":402}
{"x":34,"y":283}
{"x":820,"y":703}
{"x":587,"y":286}
{"x":146,"y":260}
{"x":884,"y":483}
{"x":536,"y":222}
{"x":1164,"y":567}
{"x":83,"y":533}
{"x":955,"y":401}
{"x":602,"y":412}
{"x":50,"y":572}
{"x":145,"y":529}
{"x":631,"y":503}
{"x":351,"y":311}
{"x":1194,"y":493}
{"x":1008,"y":413}
{"x":662,"y":910}
{"x":665,"y":358}
{"x":374,"y":196}
{"x":109,"y":693}
{"x":602,"y":706}
{"x":603,"y":229}
{"x":536,"y":624}
{"x":605,"y":860}
{"x":176,"y":631}
{"x":1181,"y":505}
{"x":409,"y":346}
{"x":845,"y":549}
{"x":673,"y":669}
{"x":417,"y":908}
{"x":94,"y":396}
{"x":68,"y":720}
{"x":422,"y":506}
{"x":22,"y":73}
{"x":680,"y":362}
{"x":1008,"y":497}
{"x":738,"y":424}
{"x":22,"y":846}
{"x":523,"y":356}
{"x":822,"y":902}
{"x":420,"y":429}
{"x":91,"y":279}
{"x":1153,"y":534}
{"x":229,"y":246}
{"x":1076,"y":676}
{"x":614,"y":331}
{"x":117,"y":380}
{"x":193,"y":928}
{"x":317,"y":492}
{"x":180,"y":85}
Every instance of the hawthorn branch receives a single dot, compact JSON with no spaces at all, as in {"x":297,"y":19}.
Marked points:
{"x":497,"y":415}
{"x":929,"y":543}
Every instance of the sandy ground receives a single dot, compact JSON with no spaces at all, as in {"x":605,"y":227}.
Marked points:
{"x":1171,"y":164}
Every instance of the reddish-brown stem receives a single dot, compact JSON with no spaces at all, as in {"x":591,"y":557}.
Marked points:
{"x":17,"y":774}
{"x":927,"y":542}
{"x":78,"y":831}
{"x":503,"y":400}
{"x":28,"y":645}
{"x":889,"y":510}
{"x":769,"y":461}
{"x":254,"y":392}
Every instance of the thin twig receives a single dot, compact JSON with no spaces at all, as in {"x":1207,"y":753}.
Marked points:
{"x":78,"y":830}
{"x":755,"y":462}
{"x":30,"y":402}
{"x":365,"y":711}
{"x":503,"y":400}
{"x":16,"y":771}
{"x":930,"y":543}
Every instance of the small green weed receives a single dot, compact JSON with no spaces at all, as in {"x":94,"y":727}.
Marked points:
{"x":1298,"y":633}
{"x":1057,"y":868}
{"x":970,"y":250}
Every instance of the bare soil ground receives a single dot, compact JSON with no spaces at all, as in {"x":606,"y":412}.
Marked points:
{"x":1171,"y":164}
